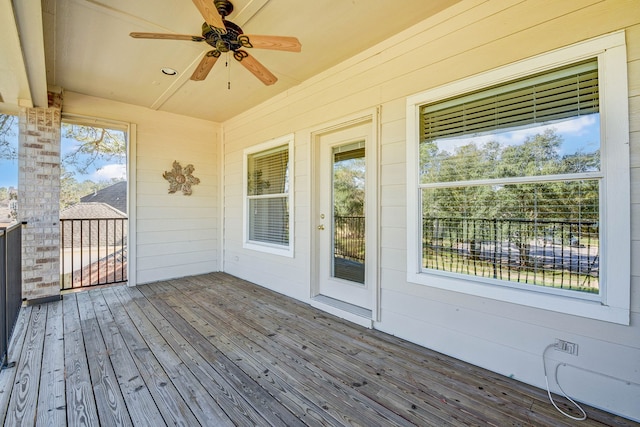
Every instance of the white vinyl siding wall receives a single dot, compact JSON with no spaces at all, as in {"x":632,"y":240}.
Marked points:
{"x":467,"y":39}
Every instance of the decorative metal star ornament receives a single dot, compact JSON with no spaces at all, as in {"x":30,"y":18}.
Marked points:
{"x":180,"y":178}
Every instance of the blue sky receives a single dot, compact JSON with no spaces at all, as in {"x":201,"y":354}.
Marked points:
{"x":583,"y":131}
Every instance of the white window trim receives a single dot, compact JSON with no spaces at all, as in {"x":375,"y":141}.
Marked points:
{"x":262,"y":246}
{"x":613,"y":303}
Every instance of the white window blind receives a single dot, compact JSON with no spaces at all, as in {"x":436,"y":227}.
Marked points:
{"x":268,"y":196}
{"x":567,"y":92}
{"x":268,"y":172}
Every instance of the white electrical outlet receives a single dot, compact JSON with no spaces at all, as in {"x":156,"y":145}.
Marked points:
{"x":566,"y":347}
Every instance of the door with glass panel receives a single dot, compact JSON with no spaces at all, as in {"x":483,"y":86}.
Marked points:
{"x":341,"y":217}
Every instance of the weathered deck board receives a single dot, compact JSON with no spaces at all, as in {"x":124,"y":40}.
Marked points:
{"x":173,"y":407}
{"x":81,"y":404}
{"x":8,"y":374}
{"x":216,"y":350}
{"x":140,"y":403}
{"x":233,"y":402}
{"x":340,"y":358}
{"x":260,"y":344}
{"x":51,"y":398}
{"x":201,"y":403}
{"x":356,"y":362}
{"x":22,"y":406}
{"x":109,"y":401}
{"x":262,"y":395}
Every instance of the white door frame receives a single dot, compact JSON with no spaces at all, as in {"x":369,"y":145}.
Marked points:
{"x":372,"y":215}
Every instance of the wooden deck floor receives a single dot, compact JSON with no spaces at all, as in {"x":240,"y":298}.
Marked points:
{"x":214,"y":350}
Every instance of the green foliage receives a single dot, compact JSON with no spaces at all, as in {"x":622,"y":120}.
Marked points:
{"x":348,"y":187}
{"x":95,"y":144}
{"x":538,"y":155}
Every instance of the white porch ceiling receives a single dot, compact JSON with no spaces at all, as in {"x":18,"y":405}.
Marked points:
{"x":88,"y":49}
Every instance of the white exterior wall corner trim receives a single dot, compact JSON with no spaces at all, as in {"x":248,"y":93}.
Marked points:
{"x":132,"y":176}
{"x":615,"y":305}
{"x":221,"y":195}
{"x":372,"y":211}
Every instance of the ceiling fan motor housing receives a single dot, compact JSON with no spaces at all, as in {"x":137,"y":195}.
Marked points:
{"x":232,"y":40}
{"x":224,"y":7}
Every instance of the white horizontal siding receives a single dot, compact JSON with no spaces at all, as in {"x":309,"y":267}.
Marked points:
{"x":468,"y":38}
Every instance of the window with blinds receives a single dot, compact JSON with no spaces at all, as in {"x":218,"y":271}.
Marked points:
{"x":510,"y":181}
{"x":268,"y":196}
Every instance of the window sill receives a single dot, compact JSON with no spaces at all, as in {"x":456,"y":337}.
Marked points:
{"x":582,"y":306}
{"x":286,"y":251}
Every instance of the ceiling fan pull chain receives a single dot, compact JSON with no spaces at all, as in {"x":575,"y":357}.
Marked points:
{"x":228,"y":72}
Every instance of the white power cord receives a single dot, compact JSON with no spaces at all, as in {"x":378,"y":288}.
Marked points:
{"x":555,"y":375}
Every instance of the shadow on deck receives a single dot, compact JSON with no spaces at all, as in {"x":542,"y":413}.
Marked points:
{"x":217,"y":350}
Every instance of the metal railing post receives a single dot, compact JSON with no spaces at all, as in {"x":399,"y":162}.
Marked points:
{"x":3,"y":298}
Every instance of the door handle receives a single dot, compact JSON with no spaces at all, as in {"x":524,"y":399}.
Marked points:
{"x":321,"y":227}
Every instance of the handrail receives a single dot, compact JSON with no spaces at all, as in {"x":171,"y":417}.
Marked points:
{"x":544,"y":252}
{"x":10,"y":284}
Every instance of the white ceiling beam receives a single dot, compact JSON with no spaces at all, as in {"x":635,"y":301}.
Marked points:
{"x":177,"y":83}
{"x":28,"y":15}
{"x":241,"y":17}
{"x":14,"y":84}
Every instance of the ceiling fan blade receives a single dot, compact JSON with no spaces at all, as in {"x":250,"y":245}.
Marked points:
{"x":289,"y":44}
{"x":210,"y":14}
{"x":166,"y":36}
{"x":256,"y":68}
{"x":203,"y":68}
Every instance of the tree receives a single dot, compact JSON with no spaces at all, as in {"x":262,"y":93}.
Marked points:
{"x":348,"y":187}
{"x":95,"y":144}
{"x":537,"y":155}
{"x":8,"y":131}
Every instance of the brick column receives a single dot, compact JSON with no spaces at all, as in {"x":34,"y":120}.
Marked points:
{"x":39,"y":201}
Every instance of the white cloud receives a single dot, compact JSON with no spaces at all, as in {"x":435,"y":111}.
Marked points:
{"x":567,"y":129}
{"x":107,"y":172}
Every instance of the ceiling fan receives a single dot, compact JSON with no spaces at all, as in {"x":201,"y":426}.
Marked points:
{"x":225,"y":36}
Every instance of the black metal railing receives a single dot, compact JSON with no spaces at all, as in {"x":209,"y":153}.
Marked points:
{"x":349,"y":240}
{"x":10,"y":284}
{"x":93,"y":252}
{"x":561,"y":254}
